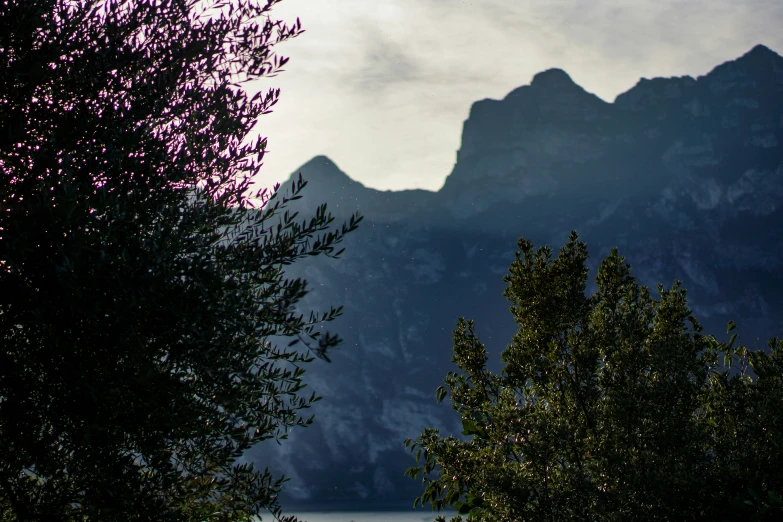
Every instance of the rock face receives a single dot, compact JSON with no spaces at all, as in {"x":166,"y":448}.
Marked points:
{"x":684,"y":175}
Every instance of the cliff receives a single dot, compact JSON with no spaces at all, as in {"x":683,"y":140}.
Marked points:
{"x":684,"y":175}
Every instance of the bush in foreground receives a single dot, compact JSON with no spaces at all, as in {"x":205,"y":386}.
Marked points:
{"x":607,"y":408}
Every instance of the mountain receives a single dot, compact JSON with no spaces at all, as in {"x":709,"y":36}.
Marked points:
{"x":684,"y":175}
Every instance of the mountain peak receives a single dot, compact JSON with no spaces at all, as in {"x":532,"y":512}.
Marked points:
{"x":322,"y":170}
{"x":552,"y":86}
{"x":760,"y":51}
{"x":760,"y":58}
{"x":320,"y":162}
{"x":552,"y":78}
{"x":760,"y":64}
{"x":322,"y":158}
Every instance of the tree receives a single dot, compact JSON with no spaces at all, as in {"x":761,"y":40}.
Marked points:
{"x":607,"y":408}
{"x":142,"y":283}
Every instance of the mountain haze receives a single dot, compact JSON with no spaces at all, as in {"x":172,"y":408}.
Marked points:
{"x":684,"y":175}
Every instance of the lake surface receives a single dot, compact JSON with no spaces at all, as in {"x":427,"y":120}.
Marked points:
{"x":422,"y":515}
{"x":362,"y":511}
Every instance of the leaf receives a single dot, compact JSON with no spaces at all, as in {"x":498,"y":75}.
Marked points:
{"x":474,"y":499}
{"x":440,"y":394}
{"x":463,"y":508}
{"x":732,"y":339}
{"x":730,"y":326}
{"x":468,"y":427}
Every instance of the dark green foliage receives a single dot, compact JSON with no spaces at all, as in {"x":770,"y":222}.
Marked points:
{"x":140,"y":285}
{"x":608,"y":408}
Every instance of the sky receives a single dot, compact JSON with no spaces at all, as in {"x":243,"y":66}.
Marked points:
{"x":382,"y":87}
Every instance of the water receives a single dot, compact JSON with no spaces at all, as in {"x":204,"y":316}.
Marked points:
{"x":362,"y":511}
{"x":420,"y":515}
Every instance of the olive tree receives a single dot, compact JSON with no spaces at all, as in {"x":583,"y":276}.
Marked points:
{"x":608,"y":407}
{"x":143,"y":291}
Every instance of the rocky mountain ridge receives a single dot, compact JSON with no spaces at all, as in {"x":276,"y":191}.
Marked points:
{"x":684,"y":175}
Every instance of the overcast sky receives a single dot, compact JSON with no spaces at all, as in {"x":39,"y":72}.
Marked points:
{"x":382,"y":87}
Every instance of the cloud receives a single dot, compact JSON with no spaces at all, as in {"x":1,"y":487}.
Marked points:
{"x":385,"y":66}
{"x":383,"y":86}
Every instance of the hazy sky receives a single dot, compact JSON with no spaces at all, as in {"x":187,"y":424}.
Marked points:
{"x":382,"y":87}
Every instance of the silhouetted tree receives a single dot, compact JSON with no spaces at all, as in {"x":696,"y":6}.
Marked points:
{"x":607,"y":408}
{"x":142,"y":283}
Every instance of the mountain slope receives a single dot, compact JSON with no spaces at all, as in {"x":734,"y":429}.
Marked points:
{"x":684,"y":175}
